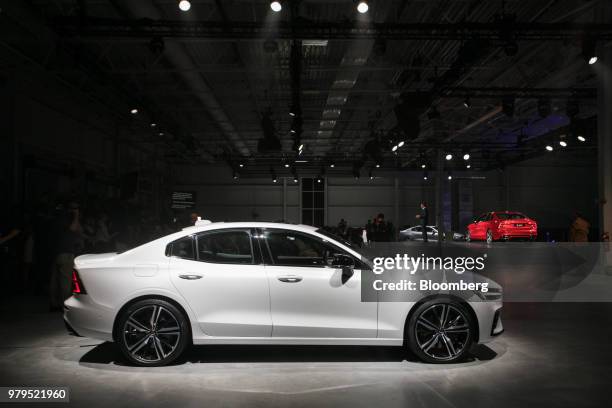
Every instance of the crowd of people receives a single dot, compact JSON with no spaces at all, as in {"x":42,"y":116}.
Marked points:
{"x":38,"y":245}
{"x":374,"y":230}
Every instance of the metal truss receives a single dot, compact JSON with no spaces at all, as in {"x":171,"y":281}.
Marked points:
{"x":107,"y":28}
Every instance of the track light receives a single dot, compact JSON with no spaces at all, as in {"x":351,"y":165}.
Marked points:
{"x":394,"y":148}
{"x":184,"y":5}
{"x":276,"y":6}
{"x":134,"y":111}
{"x":286,"y":165}
{"x":378,"y":165}
{"x":153,"y":124}
{"x":400,"y":144}
{"x":581,"y":138}
{"x":332,"y":165}
{"x":450,"y":176}
{"x":549,"y":148}
{"x":466,"y":156}
{"x":274,"y":179}
{"x":563,"y":143}
{"x":467,"y":103}
{"x":449,"y":156}
{"x":589,"y":50}
{"x":241,"y":165}
{"x":468,"y":166}
{"x":425,"y":177}
{"x":235,"y":176}
{"x":363,"y":7}
{"x":319,"y":179}
{"x":295,"y":179}
{"x":423,"y":166}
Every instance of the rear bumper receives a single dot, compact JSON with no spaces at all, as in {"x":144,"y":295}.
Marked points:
{"x":513,"y":233}
{"x":85,"y":318}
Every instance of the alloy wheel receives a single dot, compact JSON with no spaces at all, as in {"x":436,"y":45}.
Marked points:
{"x":151,"y":333}
{"x":442,"y":332}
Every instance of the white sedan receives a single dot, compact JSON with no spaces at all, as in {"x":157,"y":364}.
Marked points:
{"x":257,"y":283}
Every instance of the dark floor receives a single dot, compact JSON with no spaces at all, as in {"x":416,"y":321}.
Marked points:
{"x":551,"y":355}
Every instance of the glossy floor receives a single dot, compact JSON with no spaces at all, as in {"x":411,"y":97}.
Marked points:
{"x":551,"y":355}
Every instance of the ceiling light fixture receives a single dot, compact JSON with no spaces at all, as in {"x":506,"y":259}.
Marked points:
{"x":134,"y":111}
{"x":184,"y":5}
{"x":449,"y":156}
{"x":276,"y":6}
{"x":581,"y":138}
{"x":549,"y":148}
{"x":363,"y":7}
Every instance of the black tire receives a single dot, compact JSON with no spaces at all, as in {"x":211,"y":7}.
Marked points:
{"x":152,"y":332}
{"x":452,"y":343}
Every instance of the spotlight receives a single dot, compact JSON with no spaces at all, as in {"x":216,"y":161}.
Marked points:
{"x":184,"y":5}
{"x":589,"y":50}
{"x":449,"y":156}
{"x":394,"y":148}
{"x":581,"y":138}
{"x":363,"y":7}
{"x":235,"y":176}
{"x":468,"y":166}
{"x":423,"y":166}
{"x":450,"y":176}
{"x":400,"y":144}
{"x":319,"y":179}
{"x":467,"y":103}
{"x":563,"y":143}
{"x":294,"y":110}
{"x":378,"y":165}
{"x":549,"y":148}
{"x":134,"y":111}
{"x":161,"y":133}
{"x":295,"y":179}
{"x":371,"y":175}
{"x":153,"y":124}
{"x":274,"y":179}
{"x":425,"y":176}
{"x":332,"y":165}
{"x":301,"y":147}
{"x":241,"y":165}
{"x":286,"y":165}
{"x":276,"y":6}
{"x":466,"y":156}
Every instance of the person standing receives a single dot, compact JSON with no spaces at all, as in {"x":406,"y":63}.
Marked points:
{"x":69,"y":243}
{"x":424,"y":218}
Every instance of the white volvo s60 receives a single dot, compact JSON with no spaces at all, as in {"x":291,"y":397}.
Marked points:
{"x":258,"y":283}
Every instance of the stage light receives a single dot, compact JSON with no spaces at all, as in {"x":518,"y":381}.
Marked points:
{"x":466,"y":156}
{"x":161,"y":133}
{"x":549,"y":148}
{"x":332,"y":165}
{"x":425,"y":176}
{"x":276,"y":6}
{"x":319,"y":179}
{"x":400,"y":144}
{"x":563,"y":143}
{"x":235,"y":176}
{"x":153,"y":124}
{"x":274,"y":180}
{"x":371,"y":176}
{"x":589,"y":50}
{"x":449,"y":156}
{"x":184,"y":5}
{"x":450,"y":176}
{"x":423,"y":166}
{"x":295,"y":179}
{"x":394,"y":148}
{"x":134,"y":111}
{"x":241,"y":165}
{"x":467,"y":103}
{"x":378,"y":165}
{"x":468,"y":166}
{"x":363,"y":7}
{"x":581,"y":138}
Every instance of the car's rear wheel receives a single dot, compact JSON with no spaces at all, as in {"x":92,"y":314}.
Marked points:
{"x":441,"y":331}
{"x":489,"y":236}
{"x":152,"y":332}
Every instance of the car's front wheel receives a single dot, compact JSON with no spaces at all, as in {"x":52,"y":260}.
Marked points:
{"x":441,"y":331}
{"x":152,"y":332}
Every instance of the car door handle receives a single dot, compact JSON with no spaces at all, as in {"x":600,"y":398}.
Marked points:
{"x":190,"y":277}
{"x":290,"y":278}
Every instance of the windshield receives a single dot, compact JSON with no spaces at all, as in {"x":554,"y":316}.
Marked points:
{"x":340,"y":239}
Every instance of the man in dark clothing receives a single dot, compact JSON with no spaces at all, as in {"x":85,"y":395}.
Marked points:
{"x":424,"y":217}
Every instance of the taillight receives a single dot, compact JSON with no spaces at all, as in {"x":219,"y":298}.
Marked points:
{"x":77,"y":285}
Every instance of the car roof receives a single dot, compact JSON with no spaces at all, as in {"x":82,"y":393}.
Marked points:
{"x":248,"y":224}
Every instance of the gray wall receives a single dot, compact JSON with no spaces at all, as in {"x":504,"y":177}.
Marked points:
{"x":546,"y":189}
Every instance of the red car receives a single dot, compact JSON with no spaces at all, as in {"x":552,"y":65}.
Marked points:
{"x":499,"y":225}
